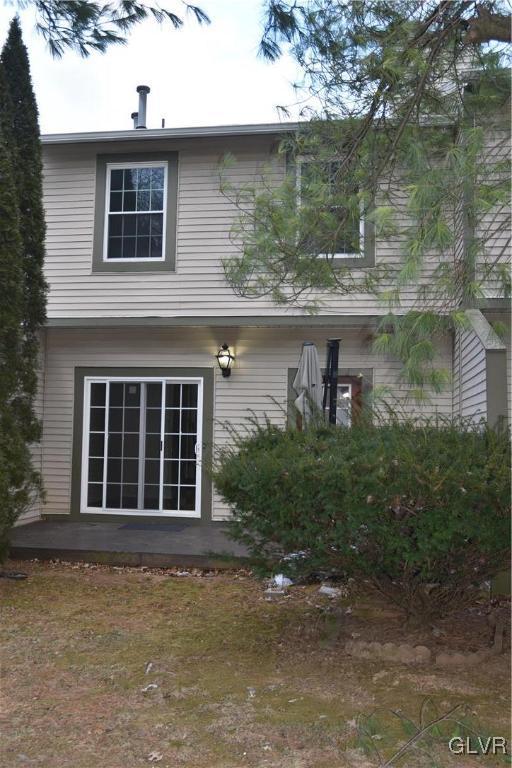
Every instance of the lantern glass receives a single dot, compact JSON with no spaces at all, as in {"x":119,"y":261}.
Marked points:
{"x":225,"y":359}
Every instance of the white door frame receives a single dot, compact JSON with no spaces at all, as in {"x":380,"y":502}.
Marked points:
{"x":88,"y":380}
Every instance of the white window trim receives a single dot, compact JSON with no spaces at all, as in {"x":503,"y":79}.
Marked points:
{"x":84,"y":509}
{"x":124,"y":166}
{"x":304,"y":159}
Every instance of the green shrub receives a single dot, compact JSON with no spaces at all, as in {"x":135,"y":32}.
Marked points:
{"x":421,"y":511}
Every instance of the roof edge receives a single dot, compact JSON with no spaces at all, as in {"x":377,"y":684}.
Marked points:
{"x":484,"y":330}
{"x":170,"y":133}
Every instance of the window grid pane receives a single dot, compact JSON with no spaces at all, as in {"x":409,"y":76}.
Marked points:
{"x":179,"y":446}
{"x":153,"y":420}
{"x":96,"y":445}
{"x":136,"y":213}
{"x":123,"y":446}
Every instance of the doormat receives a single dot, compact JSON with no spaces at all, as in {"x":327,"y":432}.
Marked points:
{"x":169,"y":527}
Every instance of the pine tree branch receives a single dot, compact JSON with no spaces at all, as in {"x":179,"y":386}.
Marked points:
{"x":486,"y":27}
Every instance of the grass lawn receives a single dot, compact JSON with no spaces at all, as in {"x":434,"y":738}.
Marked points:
{"x":238,"y":681}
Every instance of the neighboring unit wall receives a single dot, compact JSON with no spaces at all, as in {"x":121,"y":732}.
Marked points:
{"x":504,"y":320}
{"x":258,"y":384}
{"x":494,"y":227}
{"x":479,"y":372}
{"x":469,"y":378}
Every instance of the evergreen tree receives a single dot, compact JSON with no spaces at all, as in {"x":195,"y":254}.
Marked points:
{"x":28,"y":169}
{"x":17,"y":477}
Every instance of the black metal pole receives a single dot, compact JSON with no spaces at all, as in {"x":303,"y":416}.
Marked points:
{"x":331,"y":378}
{"x":326,"y":379}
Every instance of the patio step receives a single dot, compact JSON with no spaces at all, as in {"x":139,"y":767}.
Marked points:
{"x":180,"y":544}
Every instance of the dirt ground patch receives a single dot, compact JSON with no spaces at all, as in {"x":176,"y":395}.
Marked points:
{"x":122,"y":668}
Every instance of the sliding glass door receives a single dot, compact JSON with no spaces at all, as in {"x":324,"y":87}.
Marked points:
{"x":142,"y":446}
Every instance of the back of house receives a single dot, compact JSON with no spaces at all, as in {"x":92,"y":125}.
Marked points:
{"x":133,"y":400}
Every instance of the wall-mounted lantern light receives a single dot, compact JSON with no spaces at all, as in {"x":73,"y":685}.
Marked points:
{"x":225,"y":360}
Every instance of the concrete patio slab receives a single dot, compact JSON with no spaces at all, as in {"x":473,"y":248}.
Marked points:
{"x":176,"y":543}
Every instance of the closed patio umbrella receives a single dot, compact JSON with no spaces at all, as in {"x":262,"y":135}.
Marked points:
{"x":308,"y":383}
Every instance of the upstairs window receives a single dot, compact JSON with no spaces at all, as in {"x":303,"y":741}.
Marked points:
{"x":135,"y":212}
{"x":340,"y":230}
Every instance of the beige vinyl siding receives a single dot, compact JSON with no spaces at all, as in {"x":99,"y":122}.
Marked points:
{"x":456,"y":376}
{"x":480,"y":371}
{"x":494,"y":227}
{"x":460,"y":234}
{"x":205,"y":219}
{"x":259,"y":381}
{"x":469,"y":377}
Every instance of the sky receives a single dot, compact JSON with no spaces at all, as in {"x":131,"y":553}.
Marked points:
{"x":198,"y":75}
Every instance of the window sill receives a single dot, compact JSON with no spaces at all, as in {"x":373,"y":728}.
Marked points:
{"x":137,"y":268}
{"x":350,"y":261}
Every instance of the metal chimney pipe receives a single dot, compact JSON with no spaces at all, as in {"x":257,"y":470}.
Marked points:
{"x":143,"y":91}
{"x":134,"y":116}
